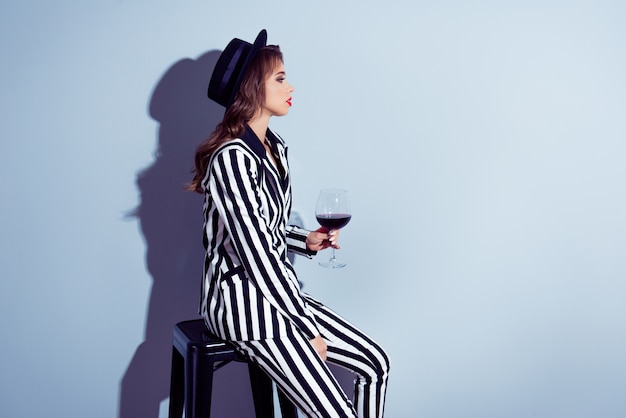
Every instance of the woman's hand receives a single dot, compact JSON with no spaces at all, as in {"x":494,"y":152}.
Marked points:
{"x":322,"y":238}
{"x":320,"y":346}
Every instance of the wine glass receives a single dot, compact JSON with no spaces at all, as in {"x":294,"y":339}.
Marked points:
{"x":333,"y":212}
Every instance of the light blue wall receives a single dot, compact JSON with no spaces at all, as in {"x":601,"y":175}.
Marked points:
{"x":483,"y":144}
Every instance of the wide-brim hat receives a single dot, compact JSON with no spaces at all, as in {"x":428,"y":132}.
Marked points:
{"x":231,"y":67}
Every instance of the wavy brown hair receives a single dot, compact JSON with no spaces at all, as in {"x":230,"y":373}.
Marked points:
{"x":248,"y":101}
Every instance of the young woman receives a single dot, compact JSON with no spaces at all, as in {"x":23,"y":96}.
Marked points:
{"x":250,"y":293}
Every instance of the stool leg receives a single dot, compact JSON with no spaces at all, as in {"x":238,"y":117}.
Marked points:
{"x":198,"y":386}
{"x":262,"y":393}
{"x":287,"y":408}
{"x":177,"y":385}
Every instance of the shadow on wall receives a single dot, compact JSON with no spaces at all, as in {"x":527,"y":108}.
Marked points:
{"x":171,"y":222}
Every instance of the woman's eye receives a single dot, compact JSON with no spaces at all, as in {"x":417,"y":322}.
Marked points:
{"x":280,"y":79}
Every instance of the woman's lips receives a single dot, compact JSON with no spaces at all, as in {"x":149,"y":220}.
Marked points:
{"x":289,"y":101}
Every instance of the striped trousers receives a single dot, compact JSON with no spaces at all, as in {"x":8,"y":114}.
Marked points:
{"x":302,"y":375}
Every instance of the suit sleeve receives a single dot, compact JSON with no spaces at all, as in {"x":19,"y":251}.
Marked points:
{"x":235,"y":188}
{"x":296,"y":241}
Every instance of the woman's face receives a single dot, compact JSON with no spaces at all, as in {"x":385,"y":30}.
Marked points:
{"x":277,"y":93}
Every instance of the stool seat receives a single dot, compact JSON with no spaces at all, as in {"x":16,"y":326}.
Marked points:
{"x":196,"y":354}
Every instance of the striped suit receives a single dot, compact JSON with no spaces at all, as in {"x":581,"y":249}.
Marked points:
{"x":251,"y":296}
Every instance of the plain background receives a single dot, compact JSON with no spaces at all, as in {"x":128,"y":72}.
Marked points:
{"x":482,"y":142}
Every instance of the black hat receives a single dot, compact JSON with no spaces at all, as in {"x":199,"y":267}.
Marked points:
{"x":230,"y":68}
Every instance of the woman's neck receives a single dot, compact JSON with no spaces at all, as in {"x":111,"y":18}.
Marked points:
{"x":259,"y":125}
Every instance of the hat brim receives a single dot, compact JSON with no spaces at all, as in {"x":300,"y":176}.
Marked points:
{"x":259,"y":42}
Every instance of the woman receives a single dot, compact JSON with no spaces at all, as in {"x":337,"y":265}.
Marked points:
{"x":250,"y":293}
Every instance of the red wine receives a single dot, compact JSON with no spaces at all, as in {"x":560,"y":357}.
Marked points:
{"x":334,"y":220}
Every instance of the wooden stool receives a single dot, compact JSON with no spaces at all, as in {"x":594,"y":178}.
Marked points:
{"x":196,"y":354}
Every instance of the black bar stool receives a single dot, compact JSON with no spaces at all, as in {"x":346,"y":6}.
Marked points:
{"x":196,"y":354}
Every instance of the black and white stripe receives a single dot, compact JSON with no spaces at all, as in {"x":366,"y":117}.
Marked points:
{"x":251,"y":295}
{"x":250,"y":289}
{"x":295,"y":366}
{"x":351,"y":349}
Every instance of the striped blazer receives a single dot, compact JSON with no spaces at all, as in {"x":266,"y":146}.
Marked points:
{"x":250,"y":290}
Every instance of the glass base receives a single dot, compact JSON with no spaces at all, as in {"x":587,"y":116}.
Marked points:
{"x":332,"y":264}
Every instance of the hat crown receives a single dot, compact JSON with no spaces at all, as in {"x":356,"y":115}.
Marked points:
{"x":231,"y":67}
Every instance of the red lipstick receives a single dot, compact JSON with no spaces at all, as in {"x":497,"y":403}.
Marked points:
{"x":289,"y":101}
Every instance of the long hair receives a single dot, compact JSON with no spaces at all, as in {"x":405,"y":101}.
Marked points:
{"x":248,"y":101}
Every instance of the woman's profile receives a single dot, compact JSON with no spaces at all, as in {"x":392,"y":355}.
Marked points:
{"x":250,"y":294}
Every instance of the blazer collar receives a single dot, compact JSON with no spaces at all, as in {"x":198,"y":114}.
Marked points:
{"x":255,"y":143}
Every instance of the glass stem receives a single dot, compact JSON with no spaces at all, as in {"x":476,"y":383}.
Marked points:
{"x":332,"y":256}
